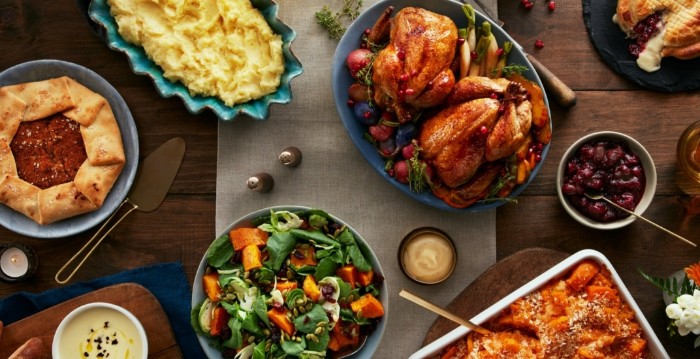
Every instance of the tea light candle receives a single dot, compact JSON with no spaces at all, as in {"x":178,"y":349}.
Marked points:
{"x":17,"y":262}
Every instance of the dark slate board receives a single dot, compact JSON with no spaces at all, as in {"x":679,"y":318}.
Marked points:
{"x":674,"y":76}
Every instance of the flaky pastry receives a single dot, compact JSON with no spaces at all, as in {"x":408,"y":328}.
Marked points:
{"x":101,"y":138}
{"x":677,"y":34}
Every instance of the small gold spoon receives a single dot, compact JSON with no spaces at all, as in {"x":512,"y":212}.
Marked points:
{"x":598,"y":196}
{"x":443,"y":312}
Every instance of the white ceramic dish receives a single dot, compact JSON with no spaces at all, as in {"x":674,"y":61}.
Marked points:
{"x":649,"y":172}
{"x":79,"y":323}
{"x":373,"y":339}
{"x":555,"y":272}
{"x":45,"y":69}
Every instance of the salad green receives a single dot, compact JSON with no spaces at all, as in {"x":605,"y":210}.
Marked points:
{"x":299,"y":285}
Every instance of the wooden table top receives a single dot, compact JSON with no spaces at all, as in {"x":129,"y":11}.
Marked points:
{"x":31,"y":30}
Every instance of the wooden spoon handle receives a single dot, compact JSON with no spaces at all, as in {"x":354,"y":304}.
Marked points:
{"x":565,"y":96}
{"x":443,"y":312}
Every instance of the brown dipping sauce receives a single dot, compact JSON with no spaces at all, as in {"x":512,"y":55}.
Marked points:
{"x":48,"y":152}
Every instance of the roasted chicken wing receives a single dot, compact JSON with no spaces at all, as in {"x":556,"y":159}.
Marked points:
{"x":413,"y":71}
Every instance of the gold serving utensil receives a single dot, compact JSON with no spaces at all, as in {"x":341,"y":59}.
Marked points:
{"x":152,"y":183}
{"x":599,"y":196}
{"x":443,"y":312}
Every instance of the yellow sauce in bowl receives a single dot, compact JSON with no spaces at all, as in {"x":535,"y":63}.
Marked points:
{"x":100,"y":330}
{"x":427,"y":256}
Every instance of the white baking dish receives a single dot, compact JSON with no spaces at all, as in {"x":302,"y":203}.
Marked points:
{"x":555,"y":272}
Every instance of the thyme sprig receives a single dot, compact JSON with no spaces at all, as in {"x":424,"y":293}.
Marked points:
{"x":334,"y":23}
{"x":416,"y":171}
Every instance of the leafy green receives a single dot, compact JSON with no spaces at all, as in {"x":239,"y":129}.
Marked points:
{"x":292,"y":347}
{"x":250,"y":323}
{"x":317,"y":221}
{"x":265,"y":275}
{"x":346,"y":238}
{"x":307,"y":322}
{"x":671,"y":285}
{"x":194,"y":319}
{"x":236,"y":339}
{"x":259,"y":351}
{"x":280,"y":245}
{"x":326,"y":267}
{"x":319,"y":346}
{"x":260,"y":309}
{"x":314,"y":236}
{"x":292,"y":296}
{"x":220,"y":251}
{"x":358,"y":259}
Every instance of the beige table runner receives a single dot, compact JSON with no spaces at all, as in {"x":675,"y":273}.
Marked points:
{"x":335,"y":177}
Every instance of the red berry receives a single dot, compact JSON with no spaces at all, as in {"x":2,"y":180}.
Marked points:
{"x":524,"y":2}
{"x":473,"y":55}
{"x":499,"y":52}
{"x":460,"y":41}
{"x":494,"y":95}
{"x":403,"y":77}
{"x":351,"y":103}
{"x":484,"y":130}
{"x":551,"y":5}
{"x":401,"y":54}
{"x":539,"y":43}
{"x":529,"y":5}
{"x":409,"y":92}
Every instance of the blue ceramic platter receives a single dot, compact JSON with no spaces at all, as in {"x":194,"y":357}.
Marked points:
{"x":342,"y":80}
{"x":258,"y":109}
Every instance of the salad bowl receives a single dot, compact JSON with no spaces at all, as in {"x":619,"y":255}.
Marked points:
{"x":283,"y":219}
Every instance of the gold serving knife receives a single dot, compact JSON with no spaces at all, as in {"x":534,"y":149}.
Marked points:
{"x":155,"y":176}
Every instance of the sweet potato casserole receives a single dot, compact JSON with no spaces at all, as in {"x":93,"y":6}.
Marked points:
{"x":578,"y":316}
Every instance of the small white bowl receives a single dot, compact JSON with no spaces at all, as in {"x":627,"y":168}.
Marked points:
{"x":88,"y":321}
{"x":647,"y":165}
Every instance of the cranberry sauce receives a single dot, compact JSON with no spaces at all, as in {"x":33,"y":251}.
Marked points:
{"x":607,"y":167}
{"x":642,"y":32}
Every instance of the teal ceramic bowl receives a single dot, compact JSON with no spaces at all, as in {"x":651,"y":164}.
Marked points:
{"x":140,"y":63}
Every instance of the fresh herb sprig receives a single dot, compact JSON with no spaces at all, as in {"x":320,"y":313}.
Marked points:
{"x":672,"y":286}
{"x":511,"y":70}
{"x":334,"y":23}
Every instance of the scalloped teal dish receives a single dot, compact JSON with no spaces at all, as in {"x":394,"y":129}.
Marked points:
{"x":140,"y":63}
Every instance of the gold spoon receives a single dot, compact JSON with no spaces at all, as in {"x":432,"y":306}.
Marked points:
{"x":598,"y":196}
{"x":443,"y":312}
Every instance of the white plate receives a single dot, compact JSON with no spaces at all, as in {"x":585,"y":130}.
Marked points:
{"x":45,"y":69}
{"x":557,"y":271}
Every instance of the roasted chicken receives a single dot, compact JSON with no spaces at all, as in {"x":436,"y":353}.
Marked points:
{"x":485,"y":120}
{"x":413,"y":71}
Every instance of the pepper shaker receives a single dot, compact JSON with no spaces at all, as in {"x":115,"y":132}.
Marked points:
{"x":261,"y":182}
{"x":290,"y":156}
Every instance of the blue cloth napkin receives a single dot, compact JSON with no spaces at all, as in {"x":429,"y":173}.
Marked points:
{"x":167,"y":282}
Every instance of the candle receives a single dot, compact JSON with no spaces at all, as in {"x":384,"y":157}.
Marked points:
{"x":17,"y":262}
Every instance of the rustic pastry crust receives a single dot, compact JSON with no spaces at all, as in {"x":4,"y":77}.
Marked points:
{"x":681,"y":19}
{"x":101,"y":137}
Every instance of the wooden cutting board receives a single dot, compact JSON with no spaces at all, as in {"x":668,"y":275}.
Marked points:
{"x":498,"y":281}
{"x":133,"y":297}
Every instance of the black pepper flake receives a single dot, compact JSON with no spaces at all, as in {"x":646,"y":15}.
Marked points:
{"x":115,"y":342}
{"x":106,"y":324}
{"x":86,"y":354}
{"x":100,"y":355}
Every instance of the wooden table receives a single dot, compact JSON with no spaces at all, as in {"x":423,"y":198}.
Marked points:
{"x":183,"y":226}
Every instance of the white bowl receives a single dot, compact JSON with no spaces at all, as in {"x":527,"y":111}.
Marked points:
{"x":77,"y":327}
{"x":373,"y":340}
{"x":647,"y":165}
{"x":653,"y":344}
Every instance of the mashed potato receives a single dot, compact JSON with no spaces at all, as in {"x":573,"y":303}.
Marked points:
{"x":221,"y":48}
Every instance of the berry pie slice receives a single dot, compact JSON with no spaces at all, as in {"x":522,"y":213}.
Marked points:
{"x":661,"y":28}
